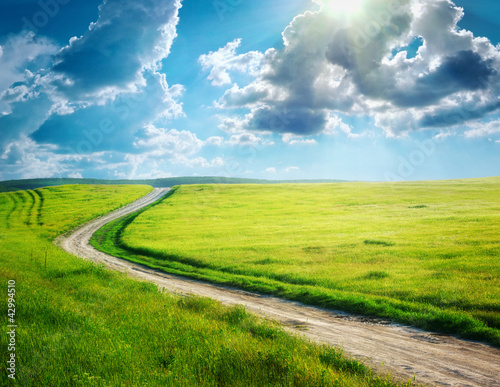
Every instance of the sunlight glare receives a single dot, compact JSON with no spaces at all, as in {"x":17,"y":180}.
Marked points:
{"x":344,"y":6}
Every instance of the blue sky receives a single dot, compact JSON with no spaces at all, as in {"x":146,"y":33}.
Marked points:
{"x":359,"y":90}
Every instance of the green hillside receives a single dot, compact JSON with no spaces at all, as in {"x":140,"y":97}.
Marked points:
{"x":421,"y":253}
{"x":79,"y":324}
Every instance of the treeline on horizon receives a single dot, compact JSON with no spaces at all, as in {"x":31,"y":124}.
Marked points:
{"x":25,"y":184}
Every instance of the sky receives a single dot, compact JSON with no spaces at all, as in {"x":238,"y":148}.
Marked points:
{"x":375,"y":90}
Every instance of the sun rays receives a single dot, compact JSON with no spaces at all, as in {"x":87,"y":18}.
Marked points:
{"x":343,"y":6}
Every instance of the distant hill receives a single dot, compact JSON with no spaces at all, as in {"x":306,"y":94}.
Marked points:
{"x":16,"y":185}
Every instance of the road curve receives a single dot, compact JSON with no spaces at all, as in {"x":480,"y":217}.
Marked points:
{"x":404,"y":352}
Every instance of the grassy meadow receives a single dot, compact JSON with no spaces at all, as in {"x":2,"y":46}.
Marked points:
{"x":79,"y":324}
{"x":421,"y":253}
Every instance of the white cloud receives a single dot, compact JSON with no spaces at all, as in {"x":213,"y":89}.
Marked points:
{"x":14,"y":94}
{"x":271,"y":170}
{"x":248,"y":96}
{"x":331,"y":64}
{"x":291,"y":139}
{"x":152,"y":165}
{"x":21,"y":50}
{"x":198,"y":162}
{"x":214,"y":140}
{"x":26,"y":159}
{"x":218,"y":162}
{"x":162,"y":147}
{"x":153,"y":174}
{"x":248,"y":139}
{"x":160,"y":151}
{"x":292,"y":169}
{"x":483,"y":129}
{"x":237,"y":125}
{"x":162,"y":141}
{"x":232,"y":124}
{"x":443,"y":135}
{"x":335,"y":124}
{"x":18,"y":52}
{"x":225,"y":59}
{"x":128,"y":39}
{"x":124,"y":49}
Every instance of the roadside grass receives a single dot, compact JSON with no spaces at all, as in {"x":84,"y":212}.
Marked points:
{"x":79,"y":324}
{"x":367,"y":248}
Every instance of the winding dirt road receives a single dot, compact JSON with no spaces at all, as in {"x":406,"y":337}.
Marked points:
{"x":402,"y":351}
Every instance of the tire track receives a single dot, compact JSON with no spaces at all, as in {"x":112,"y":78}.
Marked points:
{"x":16,"y":216}
{"x":24,"y":210}
{"x":39,"y":210}
{"x":29,"y":221}
{"x":402,"y":351}
{"x":12,"y":209}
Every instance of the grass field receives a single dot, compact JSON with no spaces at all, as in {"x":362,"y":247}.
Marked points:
{"x":422,"y":253}
{"x":79,"y":324}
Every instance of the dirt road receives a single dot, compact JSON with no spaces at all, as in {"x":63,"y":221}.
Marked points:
{"x":388,"y":348}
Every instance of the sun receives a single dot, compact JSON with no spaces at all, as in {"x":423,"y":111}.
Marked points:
{"x":342,"y":6}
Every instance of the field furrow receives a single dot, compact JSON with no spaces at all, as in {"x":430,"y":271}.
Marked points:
{"x":25,"y":201}
{"x":7,"y":207}
{"x":32,"y":204}
{"x":15,"y":217}
{"x":39,"y":208}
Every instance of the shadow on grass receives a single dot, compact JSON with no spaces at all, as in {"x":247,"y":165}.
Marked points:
{"x":380,"y":243}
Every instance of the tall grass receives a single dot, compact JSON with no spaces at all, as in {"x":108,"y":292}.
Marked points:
{"x":80,"y":324}
{"x":422,"y":253}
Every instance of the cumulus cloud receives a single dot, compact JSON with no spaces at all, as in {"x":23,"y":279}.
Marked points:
{"x":28,"y":110}
{"x":336,"y":125}
{"x":20,"y":52}
{"x":359,"y":65}
{"x":267,"y":120}
{"x":232,"y":124}
{"x":161,"y":147}
{"x":94,"y":98}
{"x":163,"y":141}
{"x":20,"y":56}
{"x":116,"y":125}
{"x":215,"y":141}
{"x":24,"y":158}
{"x":224,"y":60}
{"x":128,"y":38}
{"x":248,"y":96}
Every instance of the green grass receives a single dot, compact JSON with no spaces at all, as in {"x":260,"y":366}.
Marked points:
{"x":80,"y":324}
{"x":421,"y":253}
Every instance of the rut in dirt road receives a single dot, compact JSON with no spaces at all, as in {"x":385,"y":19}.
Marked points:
{"x":404,"y":352}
